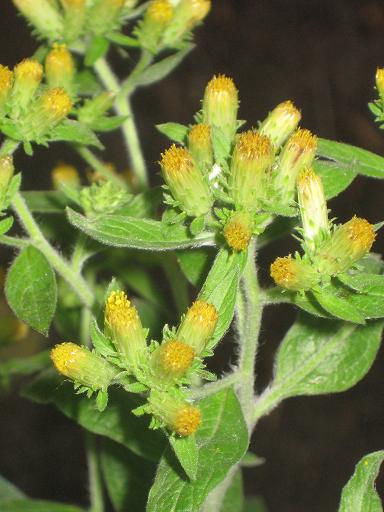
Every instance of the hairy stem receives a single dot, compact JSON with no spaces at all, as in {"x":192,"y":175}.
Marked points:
{"x":123,"y":107}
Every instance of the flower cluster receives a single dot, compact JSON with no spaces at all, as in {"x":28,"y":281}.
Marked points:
{"x":160,"y":371}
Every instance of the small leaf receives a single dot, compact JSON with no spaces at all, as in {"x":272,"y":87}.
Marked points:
{"x":222,"y":440}
{"x":30,"y":289}
{"x":73,"y":131}
{"x":359,"y":494}
{"x":338,"y":307}
{"x":101,"y":400}
{"x":101,"y":343}
{"x":146,"y":234}
{"x":364,"y":283}
{"x":98,"y":48}
{"x":123,"y":40}
{"x":174,"y":131}
{"x":107,"y":123}
{"x":335,"y":177}
{"x":197,"y":225}
{"x":5,"y":225}
{"x":187,"y":453}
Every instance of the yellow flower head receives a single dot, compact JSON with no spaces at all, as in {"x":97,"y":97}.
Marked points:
{"x":252,"y":145}
{"x":119,"y":313}
{"x":29,"y":70}
{"x":200,"y":9}
{"x":68,"y":358}
{"x":302,"y":140}
{"x":238,"y":232}
{"x":380,"y":81}
{"x":73,"y":4}
{"x":281,"y":122}
{"x":187,"y":421}
{"x":65,"y":174}
{"x":198,"y":325}
{"x":360,"y":233}
{"x":160,"y":11}
{"x":6,"y":82}
{"x":59,"y":66}
{"x":293,"y":274}
{"x":56,"y":103}
{"x":200,"y":135}
{"x":176,"y":162}
{"x":175,"y":357}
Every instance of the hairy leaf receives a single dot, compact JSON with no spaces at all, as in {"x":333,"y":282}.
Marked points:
{"x":335,"y":177}
{"x":73,"y":131}
{"x":371,"y":284}
{"x":339,"y":307}
{"x":222,"y":440}
{"x":187,"y":453}
{"x":195,"y":264}
{"x":30,"y":289}
{"x":359,"y":494}
{"x":174,"y":131}
{"x":234,"y":498}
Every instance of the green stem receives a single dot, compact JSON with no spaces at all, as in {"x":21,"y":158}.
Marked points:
{"x":97,"y":165}
{"x":62,"y":267}
{"x":94,"y":476}
{"x":214,"y":387}
{"x":123,"y":107}
{"x":17,"y":243}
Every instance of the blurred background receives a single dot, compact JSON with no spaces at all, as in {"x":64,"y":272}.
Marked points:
{"x":322,"y":54}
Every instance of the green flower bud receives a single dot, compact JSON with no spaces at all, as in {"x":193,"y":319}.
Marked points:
{"x":380,"y":82}
{"x":28,"y":75}
{"x":347,"y":245}
{"x":294,"y":274}
{"x":313,"y":209}
{"x":198,"y":325}
{"x":200,"y":146}
{"x":104,"y":15}
{"x":82,"y":366}
{"x":298,"y":153}
{"x":251,"y":167}
{"x":74,"y":18}
{"x":185,"y":181}
{"x":43,"y":15}
{"x":280,"y":123}
{"x":187,"y":14}
{"x":221,"y":104}
{"x":172,"y":360}
{"x":157,"y":17}
{"x":60,"y":68}
{"x":6,"y":83}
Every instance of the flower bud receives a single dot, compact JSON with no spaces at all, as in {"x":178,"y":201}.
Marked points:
{"x":198,"y":325}
{"x":251,"y":166}
{"x":185,"y":181}
{"x":280,"y":123}
{"x":60,"y":68}
{"x":172,"y":360}
{"x":94,"y":108}
{"x":200,"y":145}
{"x":157,"y":17}
{"x":82,"y":366}
{"x":43,"y":15}
{"x":122,"y":323}
{"x":187,"y":14}
{"x":347,"y":245}
{"x":380,"y":82}
{"x":238,"y":231}
{"x":104,"y":15}
{"x":294,"y":274}
{"x":220,"y":105}
{"x":28,"y":76}
{"x":298,"y":153}
{"x":74,"y":18}
{"x":65,"y":174}
{"x":6,"y":83}
{"x":179,"y":416}
{"x":313,"y":209}
{"x":6,"y":172}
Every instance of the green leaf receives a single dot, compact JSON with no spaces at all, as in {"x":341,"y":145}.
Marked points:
{"x":36,"y":506}
{"x":220,"y":289}
{"x":161,"y":69}
{"x":123,"y":40}
{"x":45,"y":201}
{"x":195,"y":264}
{"x":338,"y":306}
{"x":234,"y":498}
{"x":127,"y":477}
{"x":359,"y":494}
{"x":359,"y":160}
{"x":5,"y":225}
{"x":73,"y":131}
{"x":187,"y":453}
{"x":116,"y":422}
{"x":9,"y":491}
{"x":174,"y":131}
{"x":197,"y":225}
{"x":30,"y":289}
{"x":107,"y":123}
{"x":222,"y":440}
{"x":23,"y":366}
{"x":101,"y":343}
{"x":98,"y":48}
{"x":145,"y":234}
{"x":335,"y":178}
{"x":372,"y":284}
{"x":322,"y":356}
{"x":143,"y":205}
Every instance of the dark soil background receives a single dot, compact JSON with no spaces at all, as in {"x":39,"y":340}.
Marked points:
{"x":322,"y":54}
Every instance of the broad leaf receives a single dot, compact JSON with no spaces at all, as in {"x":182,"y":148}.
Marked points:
{"x":321,"y":356}
{"x":174,"y":131}
{"x":187,"y":453}
{"x":222,"y":440}
{"x":234,"y":498}
{"x":372,"y":284}
{"x":359,"y":494}
{"x":97,"y":48}
{"x":73,"y":131}
{"x":25,"y":505}
{"x":127,"y":477}
{"x":335,"y":177}
{"x":145,"y":234}
{"x":338,"y":306}
{"x":30,"y":289}
{"x":220,"y":289}
{"x":195,"y":264}
{"x":359,"y":160}
{"x":116,"y":422}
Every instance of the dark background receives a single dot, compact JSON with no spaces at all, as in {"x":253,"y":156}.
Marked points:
{"x":322,"y":54}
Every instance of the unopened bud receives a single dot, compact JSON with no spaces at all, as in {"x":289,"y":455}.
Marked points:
{"x":347,"y":245}
{"x":313,"y":209}
{"x":82,"y":366}
{"x":60,"y":68}
{"x":104,"y":15}
{"x":172,"y":360}
{"x":294,"y":274}
{"x":380,"y":82}
{"x":43,"y":15}
{"x":298,"y":153}
{"x":281,"y":122}
{"x":238,"y":231}
{"x":186,"y":181}
{"x":65,"y":174}
{"x":28,"y":76}
{"x":198,"y":325}
{"x":6,"y":172}
{"x":179,"y":416}
{"x":188,"y":13}
{"x":6,"y":83}
{"x":251,"y":167}
{"x":74,"y":18}
{"x":157,"y":17}
{"x":221,"y":104}
{"x":200,"y":145}
{"x":122,"y":323}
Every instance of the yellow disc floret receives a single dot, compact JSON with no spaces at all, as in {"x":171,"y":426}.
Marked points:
{"x":119,"y":313}
{"x":203,"y":313}
{"x":68,"y":358}
{"x":59,"y":65}
{"x":65,"y":174}
{"x":175,"y":162}
{"x":200,"y":9}
{"x":57,"y":103}
{"x":175,"y":357}
{"x":281,"y":122}
{"x":29,"y":69}
{"x":221,"y":84}
{"x":293,"y":274}
{"x":6,"y":81}
{"x":380,"y":81}
{"x":237,"y":234}
{"x":252,"y":145}
{"x":200,"y":135}
{"x":187,"y":421}
{"x":302,"y":140}
{"x":360,"y":233}
{"x":160,"y":11}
